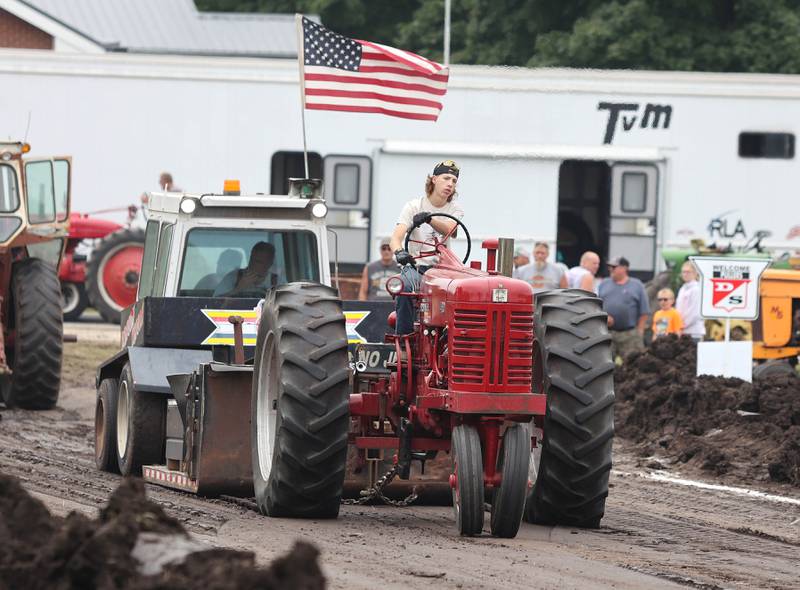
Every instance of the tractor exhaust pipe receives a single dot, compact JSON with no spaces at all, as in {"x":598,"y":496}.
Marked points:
{"x":505,"y":256}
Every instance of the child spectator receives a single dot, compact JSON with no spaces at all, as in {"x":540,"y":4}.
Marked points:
{"x":666,"y":320}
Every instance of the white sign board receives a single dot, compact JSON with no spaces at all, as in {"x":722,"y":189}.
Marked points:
{"x":729,"y":286}
{"x":726,"y":359}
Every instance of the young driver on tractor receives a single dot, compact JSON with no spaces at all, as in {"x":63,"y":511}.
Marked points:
{"x":440,"y":193}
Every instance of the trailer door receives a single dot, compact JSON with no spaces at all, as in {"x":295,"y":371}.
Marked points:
{"x":348,"y":184}
{"x":632,"y":231}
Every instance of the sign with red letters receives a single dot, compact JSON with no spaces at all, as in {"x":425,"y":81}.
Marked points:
{"x":729,"y":286}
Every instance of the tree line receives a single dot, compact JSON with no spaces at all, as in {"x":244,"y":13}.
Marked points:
{"x":689,"y":35}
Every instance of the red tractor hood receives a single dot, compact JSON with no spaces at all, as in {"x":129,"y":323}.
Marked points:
{"x":83,"y":227}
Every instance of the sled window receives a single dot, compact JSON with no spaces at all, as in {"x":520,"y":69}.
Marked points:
{"x":148,"y":260}
{"x":162,"y":258}
{"x":214,"y":260}
{"x":766,"y":145}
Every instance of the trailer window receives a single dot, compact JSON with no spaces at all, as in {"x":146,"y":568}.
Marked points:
{"x":766,"y":145}
{"x":148,"y":259}
{"x":9,"y":192}
{"x":215,"y":261}
{"x":345,"y":184}
{"x":634,"y":192}
{"x":40,"y":191}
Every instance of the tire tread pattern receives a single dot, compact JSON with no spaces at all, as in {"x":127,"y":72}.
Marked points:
{"x":39,"y":341}
{"x":572,"y":482}
{"x":310,"y":448}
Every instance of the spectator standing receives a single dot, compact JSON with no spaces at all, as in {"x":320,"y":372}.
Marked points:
{"x":376,"y":273}
{"x":521,"y":258}
{"x":583,"y":275}
{"x":666,"y":320}
{"x":688,"y":302}
{"x":541,"y":274}
{"x":625,"y":300}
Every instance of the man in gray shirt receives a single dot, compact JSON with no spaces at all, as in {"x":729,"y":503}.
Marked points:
{"x":376,"y":273}
{"x":625,"y":300}
{"x":540,"y":274}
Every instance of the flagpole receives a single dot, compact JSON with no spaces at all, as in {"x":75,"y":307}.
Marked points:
{"x":298,"y":18}
{"x":446,"y":33}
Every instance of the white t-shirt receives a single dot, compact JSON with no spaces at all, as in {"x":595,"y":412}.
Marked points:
{"x":688,"y":305}
{"x":425,"y":232}
{"x":575,"y":276}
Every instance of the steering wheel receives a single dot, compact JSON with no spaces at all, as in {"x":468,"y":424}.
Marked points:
{"x":436,"y":242}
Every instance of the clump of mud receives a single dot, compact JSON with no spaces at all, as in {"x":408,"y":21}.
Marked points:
{"x":39,"y":551}
{"x":723,"y":426}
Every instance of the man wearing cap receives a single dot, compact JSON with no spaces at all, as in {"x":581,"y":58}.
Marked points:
{"x":440,"y":193}
{"x":521,"y":258}
{"x":376,"y":273}
{"x":625,"y":300}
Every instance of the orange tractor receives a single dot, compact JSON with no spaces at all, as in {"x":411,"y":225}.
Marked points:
{"x":776,"y":333}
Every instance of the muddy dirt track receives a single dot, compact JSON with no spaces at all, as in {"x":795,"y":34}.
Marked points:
{"x":659,"y":531}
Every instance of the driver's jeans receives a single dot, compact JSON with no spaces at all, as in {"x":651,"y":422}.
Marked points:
{"x":403,"y":305}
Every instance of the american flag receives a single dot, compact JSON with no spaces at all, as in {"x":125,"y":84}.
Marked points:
{"x":343,"y":74}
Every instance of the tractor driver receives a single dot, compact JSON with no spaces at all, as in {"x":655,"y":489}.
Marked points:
{"x":254,"y":277}
{"x":440,"y":193}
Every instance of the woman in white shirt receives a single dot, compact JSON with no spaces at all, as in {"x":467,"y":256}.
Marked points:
{"x":688,"y":302}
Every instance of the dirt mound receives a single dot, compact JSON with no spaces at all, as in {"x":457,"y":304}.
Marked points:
{"x":39,"y":551}
{"x":723,"y":426}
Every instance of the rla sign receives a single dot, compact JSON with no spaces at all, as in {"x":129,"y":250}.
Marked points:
{"x":729,"y":286}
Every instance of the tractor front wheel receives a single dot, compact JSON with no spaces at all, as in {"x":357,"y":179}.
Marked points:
{"x":36,"y":355}
{"x":300,"y":404}
{"x":467,"y":480}
{"x":573,"y":360}
{"x":513,"y":460}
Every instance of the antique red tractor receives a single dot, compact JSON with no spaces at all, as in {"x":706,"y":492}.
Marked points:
{"x":108,"y":276}
{"x":518,"y":389}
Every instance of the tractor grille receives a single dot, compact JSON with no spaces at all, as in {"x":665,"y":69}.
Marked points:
{"x":491,"y":348}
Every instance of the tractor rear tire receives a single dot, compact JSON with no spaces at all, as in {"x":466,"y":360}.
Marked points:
{"x":300,"y":404}
{"x":74,"y":300}
{"x":140,"y":426}
{"x":112,"y":274}
{"x":573,"y":351}
{"x":35,"y":359}
{"x":467,"y":457}
{"x":508,"y":503}
{"x":105,"y":426}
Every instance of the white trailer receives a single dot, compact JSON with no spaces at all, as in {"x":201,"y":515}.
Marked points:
{"x":621,"y":162}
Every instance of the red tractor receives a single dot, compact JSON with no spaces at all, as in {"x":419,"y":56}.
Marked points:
{"x":518,"y":389}
{"x":109,"y":278}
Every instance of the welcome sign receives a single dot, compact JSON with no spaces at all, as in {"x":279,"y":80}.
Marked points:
{"x":729,"y":286}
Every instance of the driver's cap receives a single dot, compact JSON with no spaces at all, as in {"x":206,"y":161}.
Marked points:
{"x":446,"y":167}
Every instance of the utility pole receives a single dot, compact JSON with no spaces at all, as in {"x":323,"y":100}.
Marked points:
{"x":446,"y":33}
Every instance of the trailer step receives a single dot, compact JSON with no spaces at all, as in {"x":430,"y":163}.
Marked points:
{"x":160,"y":475}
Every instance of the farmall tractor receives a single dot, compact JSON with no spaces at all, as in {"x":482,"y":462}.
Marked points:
{"x":247,"y":392}
{"x":34,"y":209}
{"x":486,"y":366}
